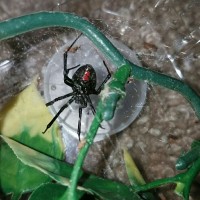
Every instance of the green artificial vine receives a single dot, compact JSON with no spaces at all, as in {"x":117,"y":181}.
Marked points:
{"x":116,"y":87}
{"x":23,"y":24}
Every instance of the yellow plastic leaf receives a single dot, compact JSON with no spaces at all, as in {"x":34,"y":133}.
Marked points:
{"x":134,"y":174}
{"x":26,"y":110}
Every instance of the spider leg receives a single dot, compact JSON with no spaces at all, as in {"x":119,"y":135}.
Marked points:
{"x":105,"y":80}
{"x":83,"y":104}
{"x":58,"y":113}
{"x":73,"y":67}
{"x":59,"y":98}
{"x":91,"y":104}
{"x":79,"y":123}
{"x":68,"y":80}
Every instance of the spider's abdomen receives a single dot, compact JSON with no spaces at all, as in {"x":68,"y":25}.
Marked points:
{"x":85,"y":76}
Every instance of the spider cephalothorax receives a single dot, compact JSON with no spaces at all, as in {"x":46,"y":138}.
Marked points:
{"x":83,"y":84}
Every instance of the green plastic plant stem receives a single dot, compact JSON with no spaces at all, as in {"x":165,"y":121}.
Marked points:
{"x":16,"y":26}
{"x":183,"y":181}
{"x":115,"y":90}
{"x":188,"y":178}
{"x":154,"y":184}
{"x":23,"y":24}
{"x":187,"y":159}
{"x":170,"y":83}
{"x":71,"y":192}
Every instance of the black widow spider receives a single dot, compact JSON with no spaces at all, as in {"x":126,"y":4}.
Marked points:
{"x":83,"y":83}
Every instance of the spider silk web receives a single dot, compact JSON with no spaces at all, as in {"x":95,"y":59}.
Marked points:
{"x":165,"y":36}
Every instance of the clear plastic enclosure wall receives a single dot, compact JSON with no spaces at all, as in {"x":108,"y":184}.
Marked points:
{"x":164,"y":36}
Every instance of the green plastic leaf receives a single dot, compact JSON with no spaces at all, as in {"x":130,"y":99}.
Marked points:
{"x":23,"y":119}
{"x":29,"y":157}
{"x":51,"y":191}
{"x":61,"y":171}
{"x":15,"y":177}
